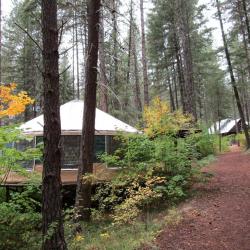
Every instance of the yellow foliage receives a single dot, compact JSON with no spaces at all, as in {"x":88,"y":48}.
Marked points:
{"x":12,"y":104}
{"x":79,"y":237}
{"x":160,"y":120}
{"x":139,"y":196}
{"x":105,"y":235}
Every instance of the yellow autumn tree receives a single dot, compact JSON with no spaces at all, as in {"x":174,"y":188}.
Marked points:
{"x":159,"y":119}
{"x":12,"y":103}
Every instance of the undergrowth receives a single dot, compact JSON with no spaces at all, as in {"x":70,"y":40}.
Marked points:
{"x":105,"y":236}
{"x":156,"y":171}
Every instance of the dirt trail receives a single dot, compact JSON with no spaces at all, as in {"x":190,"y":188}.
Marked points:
{"x":219,"y":218}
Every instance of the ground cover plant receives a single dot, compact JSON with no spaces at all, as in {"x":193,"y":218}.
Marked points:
{"x":20,"y":220}
{"x":156,"y":170}
{"x":126,"y":212}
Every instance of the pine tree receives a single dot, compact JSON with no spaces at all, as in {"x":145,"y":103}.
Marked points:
{"x":83,"y":192}
{"x":51,"y":179}
{"x":233,"y":81}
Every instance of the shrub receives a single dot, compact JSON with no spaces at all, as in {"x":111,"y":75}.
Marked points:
{"x":11,"y":158}
{"x":242,"y":140}
{"x":160,"y":120}
{"x":202,"y":144}
{"x":176,"y":159}
{"x":135,"y":150}
{"x":139,"y":198}
{"x":20,"y":223}
{"x":225,"y":143}
{"x":157,"y":169}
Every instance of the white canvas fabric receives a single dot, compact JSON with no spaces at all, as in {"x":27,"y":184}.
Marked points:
{"x":225,"y":126}
{"x":71,"y":122}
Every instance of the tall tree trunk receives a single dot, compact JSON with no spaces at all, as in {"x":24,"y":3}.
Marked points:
{"x":235,"y":118}
{"x":243,"y":91}
{"x":246,"y":19}
{"x":171,"y":95}
{"x":85,"y":29}
{"x":177,"y":53}
{"x":137,"y":91}
{"x":25,"y":75}
{"x":73,"y":56}
{"x":52,"y":222}
{"x":77,"y":52}
{"x":180,"y":74}
{"x":130,"y":40}
{"x":144,"y":56}
{"x":103,"y":79}
{"x":126,"y":98}
{"x":187,"y":59}
{"x":114,"y":70}
{"x":242,"y":30}
{"x":175,"y":86}
{"x":83,"y":192}
{"x":233,"y":82}
{"x":245,"y":44}
{"x":83,"y":37}
{"x":33,"y":83}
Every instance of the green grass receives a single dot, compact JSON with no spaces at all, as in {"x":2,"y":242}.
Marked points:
{"x":106,"y":236}
{"x":101,"y":234}
{"x":206,"y":161}
{"x":2,"y":194}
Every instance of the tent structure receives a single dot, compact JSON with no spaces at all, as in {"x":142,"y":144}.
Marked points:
{"x":226,"y":127}
{"x":71,"y":115}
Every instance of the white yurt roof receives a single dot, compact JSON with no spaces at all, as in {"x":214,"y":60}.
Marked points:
{"x":71,"y":122}
{"x":225,"y":126}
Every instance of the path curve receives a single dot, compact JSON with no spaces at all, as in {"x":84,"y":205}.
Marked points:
{"x":219,"y":218}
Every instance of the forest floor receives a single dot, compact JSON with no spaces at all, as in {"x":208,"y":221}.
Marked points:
{"x":218,"y":217}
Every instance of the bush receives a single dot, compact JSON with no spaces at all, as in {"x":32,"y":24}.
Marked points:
{"x":20,"y":220}
{"x":242,"y":140}
{"x":20,"y":223}
{"x":175,"y":158}
{"x":11,"y":158}
{"x":157,"y":169}
{"x":135,"y":150}
{"x":225,"y":143}
{"x":202,"y":144}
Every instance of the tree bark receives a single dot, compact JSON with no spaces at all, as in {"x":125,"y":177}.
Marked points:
{"x":73,"y":52}
{"x":83,"y":193}
{"x":77,"y":52}
{"x":52,"y":222}
{"x":128,"y":77}
{"x":103,"y":79}
{"x":233,"y":82}
{"x":144,"y":57}
{"x":130,"y":40}
{"x":242,"y":30}
{"x":180,"y":73}
{"x":189,"y":93}
{"x":137,"y":91}
{"x":246,"y":19}
{"x":171,"y":95}
{"x":240,"y":10}
{"x":175,"y":86}
{"x":114,"y":70}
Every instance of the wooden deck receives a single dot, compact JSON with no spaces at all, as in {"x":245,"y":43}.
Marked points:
{"x":68,"y":176}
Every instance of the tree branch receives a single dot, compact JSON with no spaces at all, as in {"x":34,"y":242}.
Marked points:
{"x":61,"y":31}
{"x":29,"y":35}
{"x":64,"y":70}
